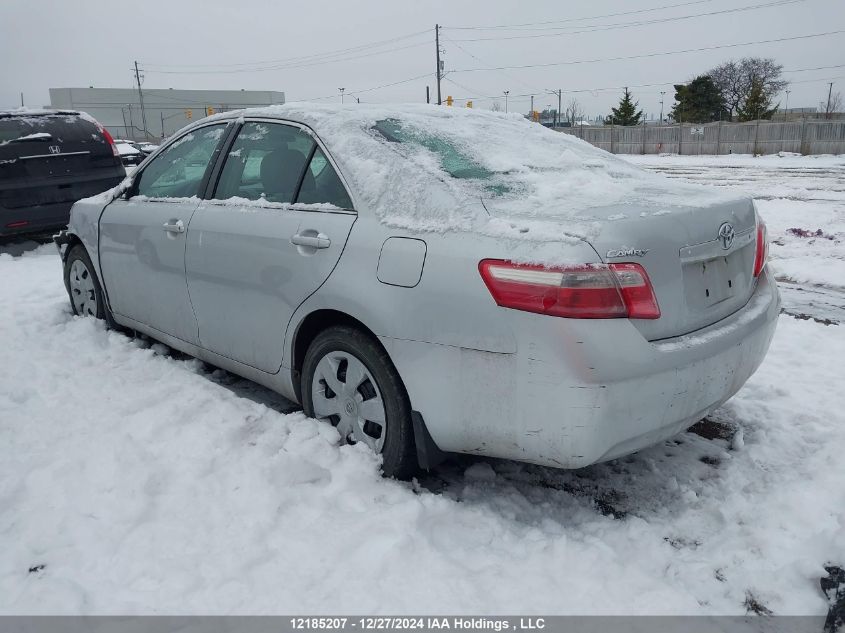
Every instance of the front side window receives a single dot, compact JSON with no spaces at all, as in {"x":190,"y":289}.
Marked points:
{"x":178,"y":171}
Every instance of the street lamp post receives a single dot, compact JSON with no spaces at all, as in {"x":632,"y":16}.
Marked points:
{"x":506,"y":100}
{"x":342,"y":90}
{"x":786,"y":108}
{"x":662,"y":92}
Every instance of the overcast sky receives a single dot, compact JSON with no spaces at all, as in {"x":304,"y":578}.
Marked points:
{"x":53,"y":43}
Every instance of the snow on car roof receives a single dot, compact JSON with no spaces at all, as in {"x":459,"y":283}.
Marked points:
{"x":24,"y":111}
{"x":489,"y":169}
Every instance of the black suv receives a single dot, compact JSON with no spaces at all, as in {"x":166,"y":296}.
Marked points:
{"x":49,"y":159}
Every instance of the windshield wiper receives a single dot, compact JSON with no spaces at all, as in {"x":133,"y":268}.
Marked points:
{"x":40,"y":136}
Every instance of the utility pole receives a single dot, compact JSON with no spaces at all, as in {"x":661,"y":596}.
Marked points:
{"x":532,"y":107}
{"x":506,"y":100}
{"x":141,"y":99}
{"x":556,"y":118}
{"x":662,"y":92}
{"x":341,"y":93}
{"x":786,"y":109}
{"x":427,"y":95}
{"x":21,"y":99}
{"x":439,"y":64}
{"x":829,"y":91}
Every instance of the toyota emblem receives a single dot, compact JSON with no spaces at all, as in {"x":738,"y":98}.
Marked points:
{"x":727,"y":235}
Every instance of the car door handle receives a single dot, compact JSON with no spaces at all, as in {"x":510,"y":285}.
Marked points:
{"x":320,"y":240}
{"x":175,"y":227}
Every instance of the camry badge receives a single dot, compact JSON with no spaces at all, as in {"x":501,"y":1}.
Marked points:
{"x":726,"y":235}
{"x":627,"y":252}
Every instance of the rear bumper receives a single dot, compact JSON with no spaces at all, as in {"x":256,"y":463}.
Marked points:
{"x":579,"y":392}
{"x":34,"y":219}
{"x":36,"y":213}
{"x":627,"y":393}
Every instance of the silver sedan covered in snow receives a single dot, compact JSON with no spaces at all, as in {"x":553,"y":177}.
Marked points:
{"x":432,"y":280}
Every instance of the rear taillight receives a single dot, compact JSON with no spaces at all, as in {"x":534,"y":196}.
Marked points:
{"x":584,"y":291}
{"x":761,"y":254}
{"x":110,"y":141}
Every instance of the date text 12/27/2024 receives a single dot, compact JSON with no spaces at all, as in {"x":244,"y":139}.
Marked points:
{"x":417,"y":623}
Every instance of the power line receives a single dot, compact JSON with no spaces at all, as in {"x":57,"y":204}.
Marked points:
{"x":331,"y":53}
{"x":611,"y":27}
{"x":592,"y":17}
{"x":648,"y":55}
{"x":476,"y":94}
{"x":505,"y":75}
{"x":289,"y":66}
{"x":364,"y":90}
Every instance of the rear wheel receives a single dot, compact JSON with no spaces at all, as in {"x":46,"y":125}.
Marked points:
{"x":83,"y":287}
{"x":349,"y":381}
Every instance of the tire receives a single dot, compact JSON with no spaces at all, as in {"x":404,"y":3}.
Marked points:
{"x":83,"y":287}
{"x":347,"y":379}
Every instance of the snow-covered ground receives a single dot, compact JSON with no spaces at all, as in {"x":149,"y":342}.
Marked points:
{"x":135,"y":481}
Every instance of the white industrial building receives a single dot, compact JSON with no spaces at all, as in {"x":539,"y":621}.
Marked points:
{"x":165,"y":110}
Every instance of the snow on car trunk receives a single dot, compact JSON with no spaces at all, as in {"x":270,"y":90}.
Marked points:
{"x":133,"y":482}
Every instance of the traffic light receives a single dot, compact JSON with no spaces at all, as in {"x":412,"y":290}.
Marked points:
{"x":189,"y":114}
{"x":469,"y":104}
{"x":449,"y":100}
{"x":209,"y":111}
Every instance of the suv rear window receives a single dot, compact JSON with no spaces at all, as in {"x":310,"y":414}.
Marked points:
{"x":38,"y":145}
{"x":62,"y":127}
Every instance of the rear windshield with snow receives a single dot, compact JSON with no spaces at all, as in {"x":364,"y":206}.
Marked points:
{"x":453,"y":160}
{"x":61,"y":127}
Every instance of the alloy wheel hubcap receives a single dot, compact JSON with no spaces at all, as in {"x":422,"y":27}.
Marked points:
{"x":344,"y":392}
{"x":82,"y":292}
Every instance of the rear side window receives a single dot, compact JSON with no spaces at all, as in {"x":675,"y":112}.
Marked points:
{"x":178,"y":171}
{"x":281,"y":164}
{"x":266,"y":162}
{"x":322,"y":184}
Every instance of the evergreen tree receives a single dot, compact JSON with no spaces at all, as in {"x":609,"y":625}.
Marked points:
{"x":758,"y":105}
{"x":699,"y":101}
{"x":626,"y":113}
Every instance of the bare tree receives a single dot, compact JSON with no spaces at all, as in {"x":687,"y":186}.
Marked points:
{"x":831,"y":106}
{"x":736,"y":79}
{"x":496,"y":107}
{"x":573,"y":112}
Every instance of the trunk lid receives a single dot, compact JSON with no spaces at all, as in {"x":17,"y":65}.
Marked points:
{"x":699,"y":275}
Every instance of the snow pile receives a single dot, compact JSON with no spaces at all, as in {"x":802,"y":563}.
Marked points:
{"x":132,"y":482}
{"x":530,"y":172}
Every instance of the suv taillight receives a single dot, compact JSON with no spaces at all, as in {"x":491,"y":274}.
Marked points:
{"x":110,"y":141}
{"x":584,"y":291}
{"x":761,"y":254}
